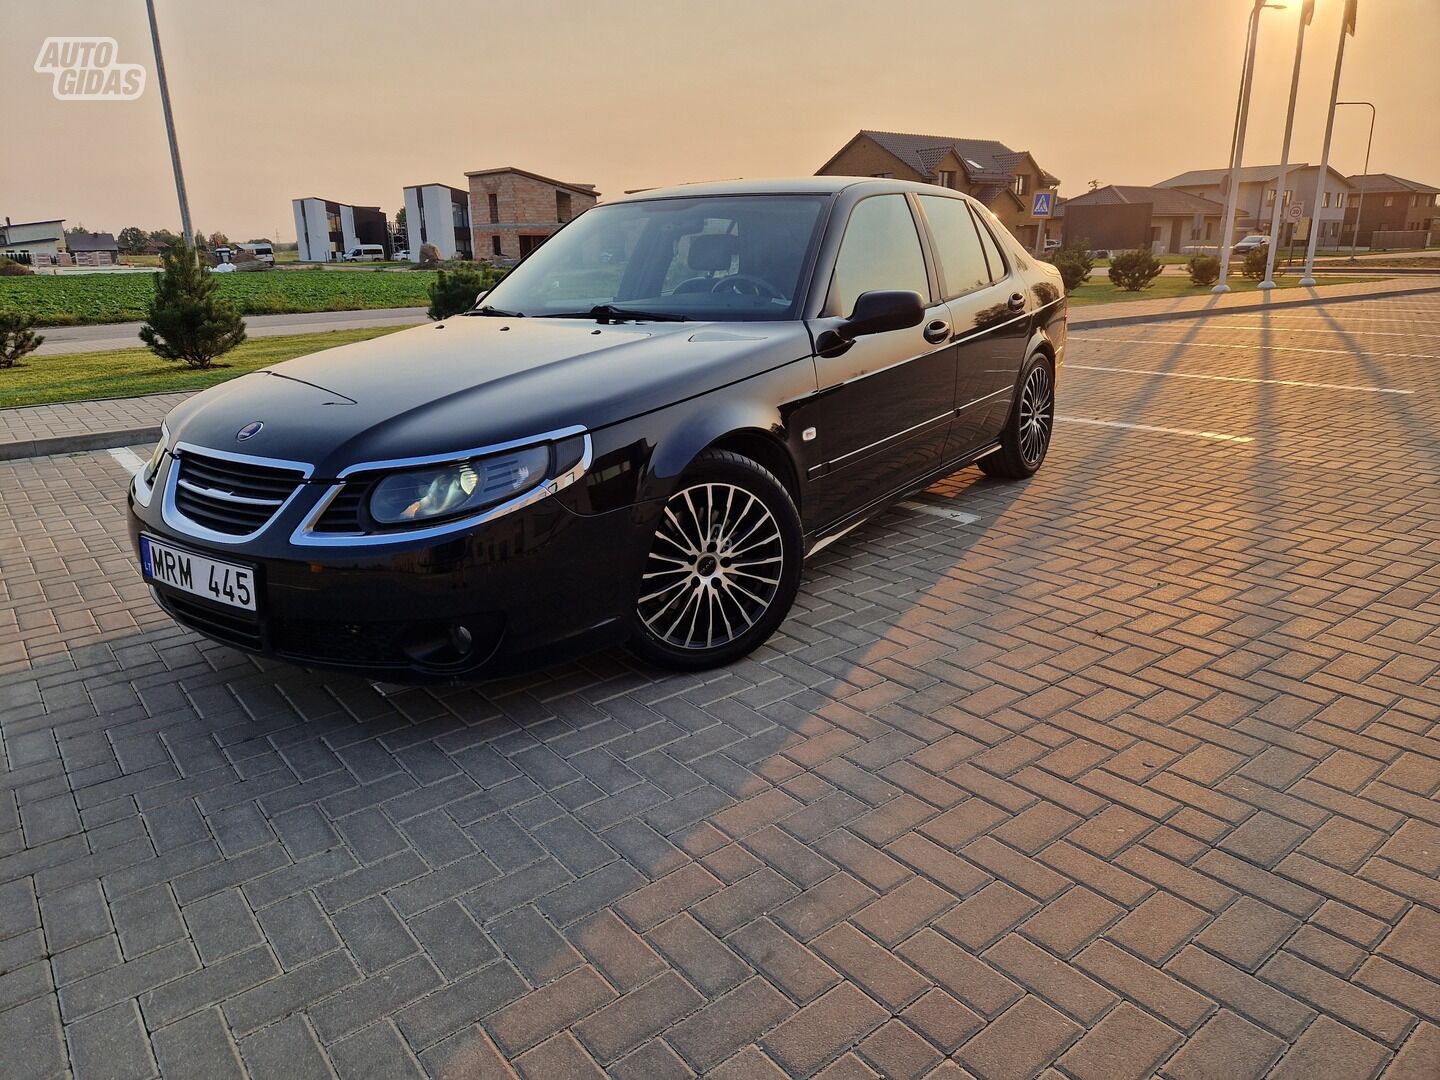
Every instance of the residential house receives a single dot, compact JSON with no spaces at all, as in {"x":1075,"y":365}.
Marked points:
{"x":1257,"y":195}
{"x":35,"y":243}
{"x":1123,"y":217}
{"x":325,"y":229}
{"x":1391,"y":204}
{"x":438,"y":214}
{"x":93,"y":249}
{"x":1004,"y":180}
{"x":513,"y":211}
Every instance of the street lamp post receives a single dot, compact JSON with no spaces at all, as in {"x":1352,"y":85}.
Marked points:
{"x":1347,"y":27}
{"x":170,"y":127}
{"x":1307,"y":11}
{"x":1242,"y":115}
{"x":1360,"y":206}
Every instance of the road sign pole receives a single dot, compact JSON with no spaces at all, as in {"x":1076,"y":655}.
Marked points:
{"x":1306,"y":12}
{"x":170,"y":127}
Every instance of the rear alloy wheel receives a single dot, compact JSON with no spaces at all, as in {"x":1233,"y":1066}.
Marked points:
{"x":723,"y":566}
{"x":1026,"y":438}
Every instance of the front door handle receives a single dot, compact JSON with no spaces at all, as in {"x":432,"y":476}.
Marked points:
{"x":1017,"y":302}
{"x":936,"y":331}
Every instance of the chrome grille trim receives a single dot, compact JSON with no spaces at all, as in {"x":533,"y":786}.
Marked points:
{"x":178,"y":520}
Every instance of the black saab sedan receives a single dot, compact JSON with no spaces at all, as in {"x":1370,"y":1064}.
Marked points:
{"x":638,"y":435}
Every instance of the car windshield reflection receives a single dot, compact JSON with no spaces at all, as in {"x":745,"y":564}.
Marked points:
{"x":725,"y":258}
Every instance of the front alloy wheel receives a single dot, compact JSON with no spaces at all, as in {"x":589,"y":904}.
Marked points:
{"x":723,"y":565}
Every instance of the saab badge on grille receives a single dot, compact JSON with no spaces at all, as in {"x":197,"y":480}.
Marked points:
{"x":249,"y":431}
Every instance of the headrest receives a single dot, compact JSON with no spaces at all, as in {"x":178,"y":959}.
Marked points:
{"x":712,"y":251}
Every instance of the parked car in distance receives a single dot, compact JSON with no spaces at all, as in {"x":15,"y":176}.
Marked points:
{"x":642,"y":446}
{"x":365,"y":253}
{"x":264,"y":253}
{"x":1052,"y":244}
{"x":1249,"y":244}
{"x":403,"y":255}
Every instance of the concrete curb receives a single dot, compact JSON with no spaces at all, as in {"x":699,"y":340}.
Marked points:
{"x":72,"y":444}
{"x":1078,"y":321}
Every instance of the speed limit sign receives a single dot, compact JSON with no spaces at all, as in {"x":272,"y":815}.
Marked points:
{"x":1295,"y":211}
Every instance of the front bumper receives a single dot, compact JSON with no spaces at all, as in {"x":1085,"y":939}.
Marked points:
{"x":513,"y":593}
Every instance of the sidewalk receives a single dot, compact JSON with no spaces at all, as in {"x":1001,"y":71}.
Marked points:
{"x":93,"y":425}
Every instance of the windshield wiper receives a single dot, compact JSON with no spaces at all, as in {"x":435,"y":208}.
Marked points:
{"x":494,"y":312}
{"x":608,"y":313}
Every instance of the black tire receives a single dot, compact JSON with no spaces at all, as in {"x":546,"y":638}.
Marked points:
{"x":1026,"y":438}
{"x":723,"y":567}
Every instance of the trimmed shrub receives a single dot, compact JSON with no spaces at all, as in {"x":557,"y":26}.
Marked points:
{"x":1255,"y":260}
{"x":1204,"y":269}
{"x":187,"y":321}
{"x":1134,"y":270}
{"x":1074,"y":264}
{"x":16,"y":337}
{"x":10,"y":268}
{"x":454,"y":291}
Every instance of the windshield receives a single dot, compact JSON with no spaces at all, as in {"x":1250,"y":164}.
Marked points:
{"x":724,"y":257}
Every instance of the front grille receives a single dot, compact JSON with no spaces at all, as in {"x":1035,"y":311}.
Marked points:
{"x":231,"y":497}
{"x":346,"y":512}
{"x":233,"y":628}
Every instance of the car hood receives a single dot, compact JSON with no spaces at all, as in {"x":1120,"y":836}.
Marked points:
{"x":469,"y":382}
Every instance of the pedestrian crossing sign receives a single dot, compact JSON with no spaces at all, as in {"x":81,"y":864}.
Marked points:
{"x":1042,"y":204}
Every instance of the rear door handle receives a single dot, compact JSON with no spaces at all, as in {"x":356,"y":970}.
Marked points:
{"x":936,"y":331}
{"x":1017,"y":302}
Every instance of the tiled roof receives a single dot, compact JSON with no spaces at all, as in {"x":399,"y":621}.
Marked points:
{"x":983,"y":159}
{"x":1165,"y":201}
{"x":1389,"y":182}
{"x":91,"y":241}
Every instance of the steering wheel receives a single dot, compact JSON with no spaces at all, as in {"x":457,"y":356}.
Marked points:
{"x":746,"y":285}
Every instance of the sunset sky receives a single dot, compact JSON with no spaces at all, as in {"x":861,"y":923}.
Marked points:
{"x":352,"y":100}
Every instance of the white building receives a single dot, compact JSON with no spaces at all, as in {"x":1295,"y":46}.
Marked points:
{"x":1258,"y":194}
{"x":38,"y":243}
{"x":438,"y":214}
{"x":324,"y":228}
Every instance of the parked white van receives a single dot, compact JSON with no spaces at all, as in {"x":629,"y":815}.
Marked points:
{"x":365,"y":253}
{"x":264,"y":253}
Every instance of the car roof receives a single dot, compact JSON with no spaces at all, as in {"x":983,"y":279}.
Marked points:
{"x":793,"y":185}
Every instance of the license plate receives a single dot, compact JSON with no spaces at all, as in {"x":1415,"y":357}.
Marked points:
{"x":222,"y":582}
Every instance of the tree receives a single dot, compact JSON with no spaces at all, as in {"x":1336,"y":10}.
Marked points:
{"x":188,"y":321}
{"x":1255,"y":260}
{"x":77,"y":228}
{"x":200,"y":242}
{"x":1134,"y":270}
{"x":16,"y":338}
{"x":219,"y":239}
{"x":454,"y":291}
{"x":400,"y":218}
{"x":163,"y":238}
{"x":1094,"y":185}
{"x":1074,"y":263}
{"x":1204,"y":269}
{"x":132,"y":239}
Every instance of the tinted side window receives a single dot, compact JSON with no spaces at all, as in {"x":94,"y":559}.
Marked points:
{"x":957,"y":244}
{"x":881,"y":250}
{"x":992,"y":253}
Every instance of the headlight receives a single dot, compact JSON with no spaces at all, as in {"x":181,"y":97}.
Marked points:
{"x":458,"y":487}
{"x":145,"y":476}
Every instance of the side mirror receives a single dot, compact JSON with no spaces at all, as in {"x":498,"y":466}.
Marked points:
{"x":881,"y":310}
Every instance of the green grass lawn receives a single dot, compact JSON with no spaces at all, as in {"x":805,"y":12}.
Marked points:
{"x":41,"y":380}
{"x":1098,"y":289}
{"x":70,"y":299}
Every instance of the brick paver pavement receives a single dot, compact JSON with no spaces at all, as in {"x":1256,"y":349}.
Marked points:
{"x":1134,"y":775}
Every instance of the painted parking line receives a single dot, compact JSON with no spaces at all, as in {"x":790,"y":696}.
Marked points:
{"x":1240,"y":379}
{"x":939,"y":511}
{"x":1218,"y":436}
{"x":1329,"y":329}
{"x":130,"y":461}
{"x":1253,"y":347}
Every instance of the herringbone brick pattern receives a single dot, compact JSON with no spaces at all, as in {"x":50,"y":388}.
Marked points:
{"x":1134,"y":776}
